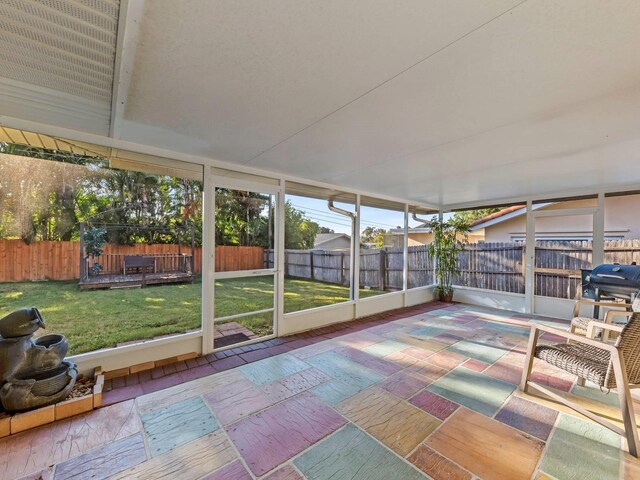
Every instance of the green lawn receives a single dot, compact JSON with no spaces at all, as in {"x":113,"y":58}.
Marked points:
{"x":103,"y":318}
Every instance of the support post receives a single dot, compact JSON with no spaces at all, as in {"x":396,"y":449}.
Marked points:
{"x":597,"y":254}
{"x":435,"y":259}
{"x":355,"y":256}
{"x":278,"y":257}
{"x":208,"y":261}
{"x":383,"y":268}
{"x":405,"y":254}
{"x":529,"y":266}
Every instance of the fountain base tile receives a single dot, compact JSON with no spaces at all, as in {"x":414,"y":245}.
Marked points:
{"x":5,"y":426}
{"x":11,"y":424}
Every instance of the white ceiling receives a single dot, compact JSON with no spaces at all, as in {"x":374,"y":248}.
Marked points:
{"x":443,"y":102}
{"x":57,"y":61}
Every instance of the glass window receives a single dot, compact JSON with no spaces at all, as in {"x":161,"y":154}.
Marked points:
{"x":317,"y":248}
{"x":381,"y":250}
{"x":420,"y":262}
{"x":564,"y":245}
{"x":109,"y":255}
{"x":492,"y":259}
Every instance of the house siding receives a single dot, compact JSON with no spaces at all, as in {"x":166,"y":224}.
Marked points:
{"x":339,"y":243}
{"x":621,"y":220}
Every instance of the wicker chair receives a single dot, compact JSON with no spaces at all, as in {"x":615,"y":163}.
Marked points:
{"x":613,"y":366}
{"x":579,"y":322}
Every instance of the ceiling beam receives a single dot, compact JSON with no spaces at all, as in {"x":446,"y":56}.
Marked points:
{"x":129,"y":22}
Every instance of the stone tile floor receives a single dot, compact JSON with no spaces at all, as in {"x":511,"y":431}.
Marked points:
{"x":431,"y":393}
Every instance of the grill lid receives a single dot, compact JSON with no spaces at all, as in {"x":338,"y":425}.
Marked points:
{"x":615,"y":274}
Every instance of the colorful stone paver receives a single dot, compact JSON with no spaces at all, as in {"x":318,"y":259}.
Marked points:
{"x":473,"y":390}
{"x":104,"y":461}
{"x":428,"y":394}
{"x":272,"y":369}
{"x":353,"y":454}
{"x":437,"y":466}
{"x":582,"y":449}
{"x":398,"y":425}
{"x":177,"y":424}
{"x":269,"y":438}
{"x":528,"y":416}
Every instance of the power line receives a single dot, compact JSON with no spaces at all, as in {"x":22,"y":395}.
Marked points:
{"x":321,"y":212}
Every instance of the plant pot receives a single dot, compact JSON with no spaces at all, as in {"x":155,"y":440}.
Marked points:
{"x":445,"y":296}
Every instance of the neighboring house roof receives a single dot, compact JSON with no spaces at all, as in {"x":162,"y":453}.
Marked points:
{"x":504,"y":214}
{"x":322,"y":238}
{"x":486,"y":221}
{"x":424,"y":228}
{"x":498,"y":214}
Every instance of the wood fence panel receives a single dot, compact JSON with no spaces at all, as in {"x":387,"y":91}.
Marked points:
{"x":48,"y":260}
{"x":492,"y":266}
{"x":370,"y":269}
{"x":231,"y":259}
{"x":420,"y":266}
{"x":394,"y":268}
{"x":558,"y":265}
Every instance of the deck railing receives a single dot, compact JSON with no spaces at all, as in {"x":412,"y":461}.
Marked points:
{"x":115,"y":263}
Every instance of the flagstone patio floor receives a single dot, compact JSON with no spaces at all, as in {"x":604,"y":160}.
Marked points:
{"x":428,"y":394}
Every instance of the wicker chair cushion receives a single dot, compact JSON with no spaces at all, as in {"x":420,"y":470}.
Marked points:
{"x":581,"y":322}
{"x":580,"y":359}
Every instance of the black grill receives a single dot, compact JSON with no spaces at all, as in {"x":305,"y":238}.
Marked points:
{"x":611,"y":281}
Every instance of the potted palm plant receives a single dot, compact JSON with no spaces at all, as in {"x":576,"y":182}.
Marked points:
{"x":449,"y":241}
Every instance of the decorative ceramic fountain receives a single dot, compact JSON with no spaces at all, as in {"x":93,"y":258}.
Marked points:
{"x":33,"y":373}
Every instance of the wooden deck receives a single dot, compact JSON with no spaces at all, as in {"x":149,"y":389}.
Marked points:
{"x":134,"y":279}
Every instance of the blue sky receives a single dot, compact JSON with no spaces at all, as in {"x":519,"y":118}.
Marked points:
{"x":317,"y":211}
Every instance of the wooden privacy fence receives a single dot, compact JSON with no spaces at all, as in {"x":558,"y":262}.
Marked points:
{"x":380,"y":269}
{"x":492,"y":266}
{"x":60,"y":260}
{"x":558,"y":265}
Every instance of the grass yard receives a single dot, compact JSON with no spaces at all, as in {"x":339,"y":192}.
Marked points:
{"x":104,"y":318}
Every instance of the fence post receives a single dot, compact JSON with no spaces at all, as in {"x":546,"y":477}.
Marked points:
{"x":341,"y":268}
{"x":144,"y":272}
{"x":383,"y":268}
{"x":82,"y":262}
{"x":286,"y":263}
{"x":311,"y":264}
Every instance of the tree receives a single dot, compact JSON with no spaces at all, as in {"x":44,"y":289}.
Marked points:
{"x":326,"y":230}
{"x":46,"y":199}
{"x":47,"y":196}
{"x":38,"y":197}
{"x":300,"y":232}
{"x":469,"y":216}
{"x":373,"y":235}
{"x":247,"y":218}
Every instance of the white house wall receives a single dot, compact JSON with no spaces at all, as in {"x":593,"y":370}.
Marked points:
{"x":621,"y":219}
